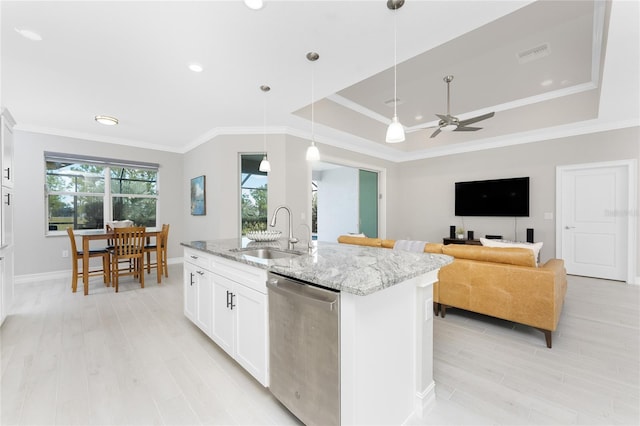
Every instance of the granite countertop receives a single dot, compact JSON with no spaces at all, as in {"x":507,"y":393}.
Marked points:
{"x":355,"y":269}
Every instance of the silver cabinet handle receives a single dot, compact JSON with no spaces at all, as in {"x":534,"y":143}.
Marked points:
{"x":569,"y":227}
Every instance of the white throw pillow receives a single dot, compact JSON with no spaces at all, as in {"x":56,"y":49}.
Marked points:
{"x":357,"y":235}
{"x":535,"y":247}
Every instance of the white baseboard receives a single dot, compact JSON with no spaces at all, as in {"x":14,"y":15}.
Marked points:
{"x":46,"y":276}
{"x":425,"y":400}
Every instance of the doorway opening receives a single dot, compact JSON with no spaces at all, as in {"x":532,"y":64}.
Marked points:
{"x":344,"y":200}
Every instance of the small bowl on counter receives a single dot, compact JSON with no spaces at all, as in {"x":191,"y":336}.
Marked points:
{"x":264,"y":236}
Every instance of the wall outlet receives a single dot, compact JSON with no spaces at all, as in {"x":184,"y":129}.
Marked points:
{"x":65,"y":253}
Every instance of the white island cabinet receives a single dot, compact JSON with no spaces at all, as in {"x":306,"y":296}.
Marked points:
{"x":386,"y":322}
{"x":228,"y":301}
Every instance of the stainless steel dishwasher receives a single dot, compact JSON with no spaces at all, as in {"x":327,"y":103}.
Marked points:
{"x":304,"y":349}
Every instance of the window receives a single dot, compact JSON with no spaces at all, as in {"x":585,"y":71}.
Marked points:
{"x":85,"y":192}
{"x":253,"y":189}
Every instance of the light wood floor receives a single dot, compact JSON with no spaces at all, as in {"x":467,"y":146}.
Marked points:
{"x":133,"y":358}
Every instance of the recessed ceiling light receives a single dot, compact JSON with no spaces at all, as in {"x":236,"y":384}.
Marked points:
{"x":547,"y":82}
{"x":195,"y":67}
{"x":106,"y":120}
{"x":418,"y":117}
{"x":254,"y":4}
{"x":29,"y":34}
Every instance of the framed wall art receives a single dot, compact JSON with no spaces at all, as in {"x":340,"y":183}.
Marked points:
{"x":198,"y":196}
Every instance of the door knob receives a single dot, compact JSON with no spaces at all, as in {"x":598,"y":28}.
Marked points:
{"x":569,"y":227}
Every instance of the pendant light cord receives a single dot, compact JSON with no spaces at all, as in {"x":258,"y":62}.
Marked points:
{"x":312,"y":102}
{"x":395,"y":64}
{"x":265,"y":123}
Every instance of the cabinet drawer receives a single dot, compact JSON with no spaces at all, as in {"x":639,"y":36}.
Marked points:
{"x":198,"y":258}
{"x":249,"y":276}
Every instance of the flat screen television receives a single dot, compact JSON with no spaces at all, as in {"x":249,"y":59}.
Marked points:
{"x":498,"y":197}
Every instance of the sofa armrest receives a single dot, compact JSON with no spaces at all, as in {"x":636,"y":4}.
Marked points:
{"x":559,"y":282}
{"x":555,"y":265}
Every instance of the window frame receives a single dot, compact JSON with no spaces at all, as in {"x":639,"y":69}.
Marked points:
{"x":258,"y":157}
{"x":108,"y":196}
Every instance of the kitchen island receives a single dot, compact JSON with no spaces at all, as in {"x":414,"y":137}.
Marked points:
{"x":386,"y":316}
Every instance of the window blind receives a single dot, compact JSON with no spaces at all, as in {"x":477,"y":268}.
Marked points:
{"x":111,"y":162}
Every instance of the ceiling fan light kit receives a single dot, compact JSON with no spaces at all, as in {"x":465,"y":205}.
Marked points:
{"x":395,"y":131}
{"x":449,"y":123}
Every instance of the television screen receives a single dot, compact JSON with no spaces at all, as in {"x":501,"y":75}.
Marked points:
{"x":498,"y":197}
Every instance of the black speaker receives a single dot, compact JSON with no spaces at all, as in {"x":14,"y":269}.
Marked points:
{"x":470,"y":235}
{"x":529,"y":235}
{"x":452,"y":231}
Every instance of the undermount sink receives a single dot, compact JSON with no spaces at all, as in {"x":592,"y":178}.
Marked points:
{"x":267,"y":253}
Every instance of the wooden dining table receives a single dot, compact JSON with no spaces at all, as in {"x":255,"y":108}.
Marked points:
{"x":97,"y":235}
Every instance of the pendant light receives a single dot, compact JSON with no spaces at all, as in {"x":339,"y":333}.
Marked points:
{"x":313,"y":154}
{"x":264,"y":164}
{"x":395,"y":131}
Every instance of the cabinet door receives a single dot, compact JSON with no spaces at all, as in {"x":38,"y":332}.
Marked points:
{"x":7,"y":282}
{"x":6,"y":237}
{"x":204,"y":300}
{"x":1,"y":289}
{"x":190,"y":286}
{"x":7,"y":154}
{"x":223,"y":313}
{"x":251,"y":349}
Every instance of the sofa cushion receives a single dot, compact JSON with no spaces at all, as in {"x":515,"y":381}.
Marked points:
{"x":502,"y":243}
{"x":512,"y":256}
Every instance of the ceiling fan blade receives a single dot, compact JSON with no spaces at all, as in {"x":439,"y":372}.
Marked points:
{"x":434,"y":134}
{"x":476,"y":119}
{"x":443,"y":117}
{"x":466,"y":129}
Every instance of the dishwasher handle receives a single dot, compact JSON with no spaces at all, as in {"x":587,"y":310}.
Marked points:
{"x":308,"y":298}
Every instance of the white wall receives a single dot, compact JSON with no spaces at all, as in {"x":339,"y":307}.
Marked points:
{"x":36,"y":253}
{"x":337,"y":203}
{"x":289,"y":184}
{"x":419,"y":194}
{"x":423,"y":205}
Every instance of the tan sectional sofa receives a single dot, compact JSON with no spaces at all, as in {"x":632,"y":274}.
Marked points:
{"x":500,"y":282}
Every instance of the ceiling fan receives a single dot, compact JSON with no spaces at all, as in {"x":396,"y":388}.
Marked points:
{"x":451,"y":123}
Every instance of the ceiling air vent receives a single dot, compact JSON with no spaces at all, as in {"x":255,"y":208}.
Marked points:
{"x":393,"y":101}
{"x":534,"y":53}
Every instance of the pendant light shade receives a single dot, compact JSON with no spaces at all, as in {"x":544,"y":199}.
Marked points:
{"x":395,"y":131}
{"x":313,"y":154}
{"x":264,"y":164}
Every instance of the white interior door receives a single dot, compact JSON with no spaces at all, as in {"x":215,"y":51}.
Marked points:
{"x":593,"y":228}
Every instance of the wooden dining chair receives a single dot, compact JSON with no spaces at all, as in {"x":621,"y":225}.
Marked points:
{"x":127,"y":254}
{"x":152,"y":248}
{"x":77,"y":255}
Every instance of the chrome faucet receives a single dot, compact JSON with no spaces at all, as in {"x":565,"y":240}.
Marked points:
{"x":292,"y":240}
